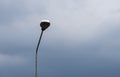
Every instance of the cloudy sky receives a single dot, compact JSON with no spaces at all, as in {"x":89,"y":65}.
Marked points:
{"x":82,"y":41}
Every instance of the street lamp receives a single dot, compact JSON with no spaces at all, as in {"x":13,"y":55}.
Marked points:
{"x":44,"y":25}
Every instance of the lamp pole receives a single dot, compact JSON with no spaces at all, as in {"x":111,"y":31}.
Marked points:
{"x":44,"y":25}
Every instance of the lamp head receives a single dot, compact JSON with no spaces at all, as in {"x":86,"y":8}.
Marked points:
{"x":44,"y":24}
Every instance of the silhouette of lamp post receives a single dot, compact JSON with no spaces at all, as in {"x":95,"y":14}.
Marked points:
{"x":44,"y":25}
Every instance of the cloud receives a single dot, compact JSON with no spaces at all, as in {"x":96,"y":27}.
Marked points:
{"x":75,"y":23}
{"x":11,"y":60}
{"x":83,"y":39}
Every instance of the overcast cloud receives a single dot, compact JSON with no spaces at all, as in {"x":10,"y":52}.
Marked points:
{"x":82,"y":41}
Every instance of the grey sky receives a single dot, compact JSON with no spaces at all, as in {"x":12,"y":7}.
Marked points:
{"x":83,"y":40}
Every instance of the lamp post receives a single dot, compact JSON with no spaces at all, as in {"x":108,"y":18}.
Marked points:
{"x":44,"y":25}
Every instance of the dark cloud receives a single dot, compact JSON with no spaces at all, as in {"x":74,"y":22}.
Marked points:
{"x":18,"y":10}
{"x":83,"y":39}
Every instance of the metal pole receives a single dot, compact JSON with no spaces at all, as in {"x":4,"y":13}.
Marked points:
{"x":36,"y":55}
